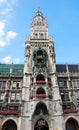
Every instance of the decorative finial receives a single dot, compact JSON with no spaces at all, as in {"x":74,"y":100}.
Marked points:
{"x":38,"y":12}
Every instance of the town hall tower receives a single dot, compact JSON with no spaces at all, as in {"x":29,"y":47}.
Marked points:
{"x":41,"y":100}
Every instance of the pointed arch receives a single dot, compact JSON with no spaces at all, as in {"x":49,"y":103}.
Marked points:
{"x":40,"y":77}
{"x":41,"y":108}
{"x":9,"y":125}
{"x":40,"y":91}
{"x":72,"y":124}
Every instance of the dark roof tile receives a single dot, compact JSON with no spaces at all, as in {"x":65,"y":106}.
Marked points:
{"x":61,"y":68}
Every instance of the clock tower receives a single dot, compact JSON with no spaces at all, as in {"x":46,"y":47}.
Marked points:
{"x":41,"y":101}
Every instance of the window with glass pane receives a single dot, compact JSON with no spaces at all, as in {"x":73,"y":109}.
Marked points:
{"x":74,"y":84}
{"x":14,"y":84}
{"x":17,"y":96}
{"x":62,"y":97}
{"x":0,"y":84}
{"x":65,"y":83}
{"x":76,"y":94}
{"x":41,"y":36}
{"x":61,"y":84}
{"x":2,"y":96}
{"x":4,"y":84}
{"x":16,"y":107}
{"x":11,"y":107}
{"x":66,"y":96}
{"x":18,"y":85}
{"x":13,"y":96}
{"x":0,"y":107}
{"x":77,"y":104}
{"x":36,"y":35}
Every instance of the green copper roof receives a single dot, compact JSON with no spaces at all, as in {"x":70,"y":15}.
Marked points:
{"x":13,"y":69}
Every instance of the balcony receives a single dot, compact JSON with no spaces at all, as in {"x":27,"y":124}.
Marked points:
{"x":9,"y":112}
{"x":41,"y":95}
{"x":41,"y":82}
{"x":66,"y":111}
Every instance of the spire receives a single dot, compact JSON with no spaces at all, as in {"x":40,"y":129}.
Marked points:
{"x":38,"y":13}
{"x":11,"y":68}
{"x":39,"y":26}
{"x":39,"y":20}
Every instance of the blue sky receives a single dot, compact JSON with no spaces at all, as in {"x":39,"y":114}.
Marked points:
{"x":63,"y":26}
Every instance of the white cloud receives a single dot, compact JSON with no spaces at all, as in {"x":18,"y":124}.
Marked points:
{"x":7,"y":60}
{"x":6,"y":37}
{"x":2,"y":43}
{"x":6,"y":11}
{"x":6,"y":8}
{"x":10,"y":35}
{"x":3,"y":1}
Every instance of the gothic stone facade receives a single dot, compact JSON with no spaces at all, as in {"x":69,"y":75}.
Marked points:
{"x":39,"y":95}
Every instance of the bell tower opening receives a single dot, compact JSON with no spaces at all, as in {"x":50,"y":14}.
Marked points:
{"x":41,"y":124}
{"x":40,"y":91}
{"x":41,"y":108}
{"x":40,"y":77}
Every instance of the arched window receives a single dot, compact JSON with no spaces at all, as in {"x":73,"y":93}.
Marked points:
{"x":41,"y":36}
{"x":41,"y":108}
{"x":72,"y":124}
{"x":40,"y":77}
{"x":40,"y":91}
{"x":36,"y":36}
{"x":9,"y":125}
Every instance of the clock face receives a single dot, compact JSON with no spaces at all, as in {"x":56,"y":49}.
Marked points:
{"x":40,"y":58}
